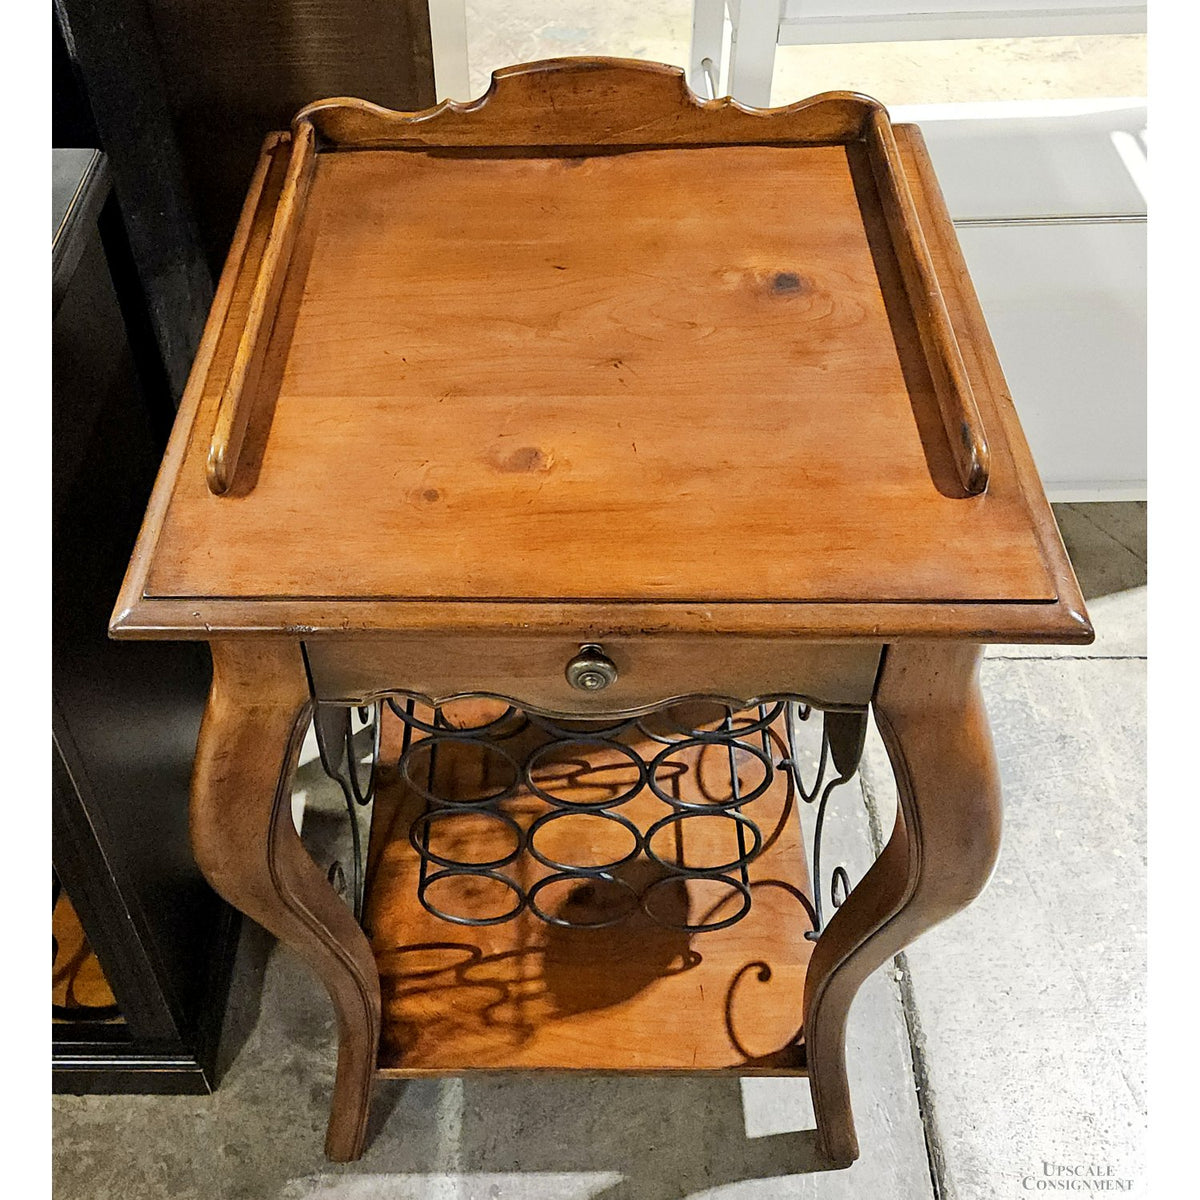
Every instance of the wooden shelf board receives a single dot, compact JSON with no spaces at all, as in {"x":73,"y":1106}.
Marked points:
{"x":792,"y":1067}
{"x":78,"y":978}
{"x":635,"y":997}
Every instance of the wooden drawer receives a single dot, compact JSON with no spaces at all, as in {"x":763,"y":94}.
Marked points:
{"x":531,"y":671}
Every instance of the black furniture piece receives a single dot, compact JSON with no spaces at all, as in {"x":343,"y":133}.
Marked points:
{"x":180,"y":101}
{"x":126,"y":717}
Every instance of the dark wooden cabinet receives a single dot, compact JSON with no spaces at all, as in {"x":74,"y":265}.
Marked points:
{"x":131,"y":292}
{"x":126,"y":717}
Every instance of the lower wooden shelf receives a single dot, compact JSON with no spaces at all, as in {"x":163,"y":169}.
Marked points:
{"x":635,"y":996}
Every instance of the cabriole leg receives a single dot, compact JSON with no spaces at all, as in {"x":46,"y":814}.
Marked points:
{"x":247,"y":848}
{"x":942,"y":850}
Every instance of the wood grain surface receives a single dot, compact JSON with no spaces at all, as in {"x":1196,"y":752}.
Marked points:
{"x":246,"y":844}
{"x":956,"y":399}
{"x":589,"y":102}
{"x":594,"y":390}
{"x":531,"y":671}
{"x":670,"y":390}
{"x":233,"y":409}
{"x":943,"y":847}
{"x":534,"y":996}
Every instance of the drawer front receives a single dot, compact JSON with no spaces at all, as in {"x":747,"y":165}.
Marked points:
{"x":532,"y":671}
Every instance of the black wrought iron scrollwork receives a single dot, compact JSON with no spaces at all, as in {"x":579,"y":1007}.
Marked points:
{"x":842,"y":737}
{"x":334,"y":727}
{"x":519,"y":752}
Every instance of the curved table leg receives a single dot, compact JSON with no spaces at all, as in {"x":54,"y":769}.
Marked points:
{"x":247,"y":848}
{"x":941,"y":853}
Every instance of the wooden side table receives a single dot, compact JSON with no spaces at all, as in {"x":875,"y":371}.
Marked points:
{"x":654,"y":426}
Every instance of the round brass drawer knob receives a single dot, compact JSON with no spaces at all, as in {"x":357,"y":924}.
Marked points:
{"x":591,"y":670}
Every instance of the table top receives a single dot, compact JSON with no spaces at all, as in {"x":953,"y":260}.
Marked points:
{"x":590,"y":352}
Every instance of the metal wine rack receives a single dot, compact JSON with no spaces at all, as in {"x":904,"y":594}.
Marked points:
{"x":516,"y":800}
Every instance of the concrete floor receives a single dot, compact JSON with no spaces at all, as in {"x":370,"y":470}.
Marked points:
{"x":1007,"y":1043}
{"x":1027,"y":1011}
